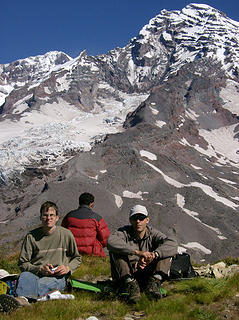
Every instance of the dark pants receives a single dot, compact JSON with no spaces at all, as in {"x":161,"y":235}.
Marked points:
{"x":121,"y":267}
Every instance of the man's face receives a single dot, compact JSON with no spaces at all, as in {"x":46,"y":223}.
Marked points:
{"x":139,"y":222}
{"x":49,"y":218}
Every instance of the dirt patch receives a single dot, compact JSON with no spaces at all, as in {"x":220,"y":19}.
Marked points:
{"x":227,"y":308}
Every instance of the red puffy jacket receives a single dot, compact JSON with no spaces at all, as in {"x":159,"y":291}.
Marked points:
{"x":89,"y":229}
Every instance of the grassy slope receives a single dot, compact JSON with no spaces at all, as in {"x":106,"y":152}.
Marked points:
{"x":201,"y":298}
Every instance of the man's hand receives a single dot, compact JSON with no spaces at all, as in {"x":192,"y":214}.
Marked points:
{"x":59,"y":271}
{"x":145,"y":258}
{"x":46,"y":270}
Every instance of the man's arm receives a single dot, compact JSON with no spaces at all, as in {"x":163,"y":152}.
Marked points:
{"x":164,"y":246}
{"x":73,"y":254}
{"x":145,"y":258}
{"x":27,"y":251}
{"x":117,"y":243}
{"x":103,"y":232}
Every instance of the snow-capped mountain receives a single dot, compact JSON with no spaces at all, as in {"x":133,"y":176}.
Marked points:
{"x":57,"y":96}
{"x":30,"y":70}
{"x":170,"y":100}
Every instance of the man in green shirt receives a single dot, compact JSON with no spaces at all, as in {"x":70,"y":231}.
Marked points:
{"x":48,"y":256}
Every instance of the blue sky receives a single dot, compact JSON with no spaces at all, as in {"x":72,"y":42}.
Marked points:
{"x":29,"y":28}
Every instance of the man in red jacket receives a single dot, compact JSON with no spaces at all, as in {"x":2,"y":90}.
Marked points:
{"x":89,"y":228}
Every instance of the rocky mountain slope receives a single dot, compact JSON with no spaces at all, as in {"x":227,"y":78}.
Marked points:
{"x":53,"y":95}
{"x":176,"y":153}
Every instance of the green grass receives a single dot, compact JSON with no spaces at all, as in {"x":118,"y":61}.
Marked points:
{"x":93,"y":267}
{"x":197,"y":299}
{"x":9,"y":264}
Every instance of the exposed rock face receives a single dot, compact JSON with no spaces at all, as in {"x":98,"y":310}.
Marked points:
{"x":177,"y":153}
{"x":162,"y":160}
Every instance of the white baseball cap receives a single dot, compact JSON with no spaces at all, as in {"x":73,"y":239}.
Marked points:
{"x":138,"y":209}
{"x":4,"y":274}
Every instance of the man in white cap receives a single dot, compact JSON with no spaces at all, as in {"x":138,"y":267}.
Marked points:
{"x":140,"y":256}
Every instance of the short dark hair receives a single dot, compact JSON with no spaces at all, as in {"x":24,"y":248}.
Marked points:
{"x":86,"y":198}
{"x":45,"y":207}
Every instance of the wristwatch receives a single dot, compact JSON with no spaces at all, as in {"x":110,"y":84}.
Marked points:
{"x":156,"y":254}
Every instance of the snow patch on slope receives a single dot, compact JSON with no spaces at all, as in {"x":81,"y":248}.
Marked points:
{"x":193,"y":214}
{"x":147,"y":154}
{"x":230,"y":96}
{"x":197,"y":246}
{"x":221,"y":141}
{"x":205,"y":188}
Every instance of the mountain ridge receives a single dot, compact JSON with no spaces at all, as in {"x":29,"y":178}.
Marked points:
{"x":88,"y":83}
{"x":155,"y":123}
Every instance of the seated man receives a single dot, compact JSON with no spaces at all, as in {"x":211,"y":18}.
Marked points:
{"x":140,"y":256}
{"x":89,"y":228}
{"x":48,"y":256}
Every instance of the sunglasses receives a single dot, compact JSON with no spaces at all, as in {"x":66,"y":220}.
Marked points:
{"x":139,"y":217}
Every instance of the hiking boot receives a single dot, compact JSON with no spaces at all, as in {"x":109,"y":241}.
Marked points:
{"x":153,"y":288}
{"x":131,"y":290}
{"x":8,"y":303}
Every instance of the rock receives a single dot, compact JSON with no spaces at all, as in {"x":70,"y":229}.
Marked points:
{"x":218,"y":270}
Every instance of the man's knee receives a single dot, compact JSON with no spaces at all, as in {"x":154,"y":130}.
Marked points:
{"x":163,"y":266}
{"x":47,"y":284}
{"x":27,"y":284}
{"x":27,"y":276}
{"x":120,"y":266}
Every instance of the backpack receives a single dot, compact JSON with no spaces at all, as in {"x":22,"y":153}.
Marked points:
{"x":4,"y":288}
{"x":181,"y":267}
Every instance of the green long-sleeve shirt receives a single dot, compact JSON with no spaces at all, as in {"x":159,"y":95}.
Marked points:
{"x":57,"y":248}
